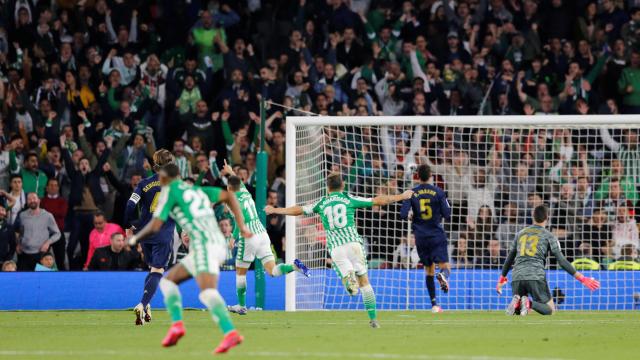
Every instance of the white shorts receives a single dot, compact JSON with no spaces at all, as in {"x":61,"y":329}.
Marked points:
{"x":349,"y":257}
{"x":259,"y":246}
{"x":208,"y":262}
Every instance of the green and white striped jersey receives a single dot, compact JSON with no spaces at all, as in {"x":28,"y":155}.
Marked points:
{"x":249,"y":211}
{"x":337,"y":211}
{"x":190,"y":207}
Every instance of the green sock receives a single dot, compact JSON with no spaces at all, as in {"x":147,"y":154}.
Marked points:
{"x":282,"y":269}
{"x":241,"y":289}
{"x":218,"y":308}
{"x":172,"y":299}
{"x":369,"y":299}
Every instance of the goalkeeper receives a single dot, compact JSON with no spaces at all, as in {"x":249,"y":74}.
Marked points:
{"x":528,"y":256}
{"x":337,"y":210}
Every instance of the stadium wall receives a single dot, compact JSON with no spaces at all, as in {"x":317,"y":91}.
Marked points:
{"x":111,"y":291}
{"x":121,"y":290}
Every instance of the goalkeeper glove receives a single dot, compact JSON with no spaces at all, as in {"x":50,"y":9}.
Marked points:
{"x":501,"y":281}
{"x":591,"y":283}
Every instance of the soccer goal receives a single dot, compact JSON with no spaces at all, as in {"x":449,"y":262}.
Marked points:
{"x":494,"y":170}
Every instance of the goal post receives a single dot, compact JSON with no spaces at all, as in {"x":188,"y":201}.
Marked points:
{"x":495,"y":165}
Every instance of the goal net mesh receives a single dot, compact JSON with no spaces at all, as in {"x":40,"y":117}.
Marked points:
{"x":493,"y":177}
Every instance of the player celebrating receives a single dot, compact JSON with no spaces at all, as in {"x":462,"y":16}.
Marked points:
{"x":344,"y":244}
{"x":191,"y":207}
{"x":157,"y":250}
{"x":429,"y":205}
{"x":530,"y":251}
{"x":258,"y":246}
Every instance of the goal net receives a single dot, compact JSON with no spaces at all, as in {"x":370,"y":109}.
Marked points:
{"x":494,"y":171}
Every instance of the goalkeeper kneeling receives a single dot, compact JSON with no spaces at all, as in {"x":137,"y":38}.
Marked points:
{"x":528,"y":256}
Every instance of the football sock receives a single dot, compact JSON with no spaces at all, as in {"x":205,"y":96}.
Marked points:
{"x":282,"y":269}
{"x":446,"y":272}
{"x":431,"y":286}
{"x":150,"y":287}
{"x":218,"y":308}
{"x":541,"y":308}
{"x":241,"y":289}
{"x":172,"y":299}
{"x":369,"y":299}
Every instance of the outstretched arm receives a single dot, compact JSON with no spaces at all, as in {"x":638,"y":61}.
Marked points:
{"x":388,"y":199}
{"x":291,"y":211}
{"x":591,"y":283}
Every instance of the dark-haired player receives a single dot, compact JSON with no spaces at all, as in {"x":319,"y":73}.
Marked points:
{"x":337,"y":211}
{"x":259,"y":246}
{"x":157,"y":249}
{"x":429,"y":206}
{"x":191,"y":207}
{"x":528,"y":256}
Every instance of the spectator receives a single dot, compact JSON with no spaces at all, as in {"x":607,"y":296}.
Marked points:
{"x":115,"y":257}
{"x":37,"y":231}
{"x":597,"y":233}
{"x":16,"y":198}
{"x":227,"y":230}
{"x":33,"y":179}
{"x":628,"y":259}
{"x":47,"y":263}
{"x":509,"y":227}
{"x":84,"y":202}
{"x":58,"y":207}
{"x":7,"y":237}
{"x":101,"y":235}
{"x":629,"y":85}
{"x":9,"y":266}
{"x":585,"y":258}
{"x":625,"y":231}
{"x":405,"y":256}
{"x":494,"y":256}
{"x":461,"y":258}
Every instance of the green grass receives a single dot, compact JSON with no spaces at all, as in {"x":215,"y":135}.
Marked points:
{"x":325,"y":335}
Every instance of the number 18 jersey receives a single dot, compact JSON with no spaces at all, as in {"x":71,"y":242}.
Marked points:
{"x":533,"y":244}
{"x":337,"y":212}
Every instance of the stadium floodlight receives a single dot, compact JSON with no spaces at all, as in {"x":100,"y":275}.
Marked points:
{"x":493,"y":168}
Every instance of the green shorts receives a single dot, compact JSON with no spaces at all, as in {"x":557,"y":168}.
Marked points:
{"x":537,"y":289}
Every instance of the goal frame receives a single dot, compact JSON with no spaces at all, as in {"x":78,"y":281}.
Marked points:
{"x":292,"y":122}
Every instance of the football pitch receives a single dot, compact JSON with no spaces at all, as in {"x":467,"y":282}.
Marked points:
{"x":325,"y":335}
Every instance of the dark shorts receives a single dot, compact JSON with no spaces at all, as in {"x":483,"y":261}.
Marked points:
{"x":432,"y":250}
{"x":537,"y":289}
{"x":157,"y":254}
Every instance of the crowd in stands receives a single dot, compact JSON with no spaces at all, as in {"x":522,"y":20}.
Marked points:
{"x":89,"y":89}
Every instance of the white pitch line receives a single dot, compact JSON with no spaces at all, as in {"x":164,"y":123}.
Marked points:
{"x":272,"y":354}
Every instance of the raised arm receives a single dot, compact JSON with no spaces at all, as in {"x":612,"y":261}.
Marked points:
{"x":608,"y":140}
{"x":388,"y":199}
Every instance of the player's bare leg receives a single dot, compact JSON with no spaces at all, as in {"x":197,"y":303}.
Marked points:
{"x":143,"y":309}
{"x":431,"y":287}
{"x":214,"y":302}
{"x":173,"y":302}
{"x":369,"y":299}
{"x":443,"y":276}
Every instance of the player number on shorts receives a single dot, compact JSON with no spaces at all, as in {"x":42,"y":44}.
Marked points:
{"x":528,"y":245}
{"x":425,"y":209}
{"x":336,"y":216}
{"x":198,"y":206}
